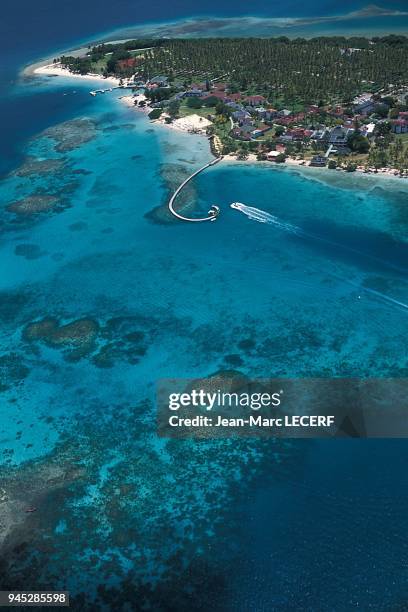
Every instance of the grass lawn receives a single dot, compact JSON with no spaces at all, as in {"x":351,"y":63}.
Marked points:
{"x":201,"y":112}
{"x":99,"y":66}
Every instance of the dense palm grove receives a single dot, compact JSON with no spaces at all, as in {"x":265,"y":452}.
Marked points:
{"x":296,"y":70}
{"x":347,"y":98}
{"x":308,"y":70}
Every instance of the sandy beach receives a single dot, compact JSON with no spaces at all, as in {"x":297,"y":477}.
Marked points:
{"x":301,"y":163}
{"x":58,"y":70}
{"x":191,"y":123}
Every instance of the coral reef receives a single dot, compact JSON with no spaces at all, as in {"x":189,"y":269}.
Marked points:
{"x":71,"y":134}
{"x":172,"y":175}
{"x":12,"y":371}
{"x":33,"y":166}
{"x":36,"y":203}
{"x":76,"y":334}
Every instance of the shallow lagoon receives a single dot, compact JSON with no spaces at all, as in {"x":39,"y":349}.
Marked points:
{"x":100,"y":298}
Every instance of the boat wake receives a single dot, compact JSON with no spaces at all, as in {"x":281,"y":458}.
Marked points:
{"x":387,"y":298}
{"x":261,"y":216}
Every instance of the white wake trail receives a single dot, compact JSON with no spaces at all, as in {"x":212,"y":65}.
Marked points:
{"x":264,"y":217}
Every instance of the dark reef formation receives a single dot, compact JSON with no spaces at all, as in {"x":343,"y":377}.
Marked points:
{"x":38,"y":167}
{"x":172,"y":175}
{"x":146,"y":518}
{"x":77,"y":336}
{"x":119,"y":339}
{"x":28,"y":251}
{"x":12,"y":371}
{"x":36,"y":203}
{"x":71,"y":134}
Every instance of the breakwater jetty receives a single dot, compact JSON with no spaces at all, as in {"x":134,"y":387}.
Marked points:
{"x":210,"y":217}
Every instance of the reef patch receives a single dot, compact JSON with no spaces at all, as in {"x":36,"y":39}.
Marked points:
{"x":172,"y":175}
{"x":12,"y":371}
{"x":28,"y":251}
{"x":34,"y":204}
{"x":71,"y":134}
{"x":34,"y":166}
{"x":124,"y":341}
{"x":77,"y":337}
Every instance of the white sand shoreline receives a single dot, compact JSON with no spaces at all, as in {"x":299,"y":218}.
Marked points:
{"x":58,"y":70}
{"x":303,"y":165}
{"x":193,"y":123}
{"x":196,"y":124}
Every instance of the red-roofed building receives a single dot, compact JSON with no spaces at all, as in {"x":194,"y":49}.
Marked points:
{"x":297,"y":133}
{"x":219,"y":86}
{"x":285,"y":120}
{"x":260,"y":130}
{"x":126,"y":63}
{"x":255,"y":100}
{"x":234,"y":97}
{"x":400,"y":126}
{"x":220,"y":95}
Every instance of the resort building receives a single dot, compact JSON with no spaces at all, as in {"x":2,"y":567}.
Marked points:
{"x":254,"y":100}
{"x":272,"y":155}
{"x":159,"y":81}
{"x":368,"y":130}
{"x":400,"y":126}
{"x":242,"y":117}
{"x":364,"y":104}
{"x":318,"y":161}
{"x":194,"y":93}
{"x":261,"y":129}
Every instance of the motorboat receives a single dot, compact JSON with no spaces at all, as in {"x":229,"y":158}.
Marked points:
{"x":214,"y":212}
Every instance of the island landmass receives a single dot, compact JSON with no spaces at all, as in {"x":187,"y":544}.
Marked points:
{"x":328,"y":102}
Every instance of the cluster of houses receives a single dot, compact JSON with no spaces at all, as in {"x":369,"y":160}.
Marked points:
{"x":249,"y":114}
{"x":252,"y":117}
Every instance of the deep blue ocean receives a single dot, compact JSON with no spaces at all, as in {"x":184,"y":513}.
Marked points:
{"x":100,"y":296}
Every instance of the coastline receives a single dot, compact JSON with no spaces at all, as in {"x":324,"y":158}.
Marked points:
{"x":197,"y":125}
{"x":192,"y":123}
{"x":53,"y":70}
{"x":301,"y":164}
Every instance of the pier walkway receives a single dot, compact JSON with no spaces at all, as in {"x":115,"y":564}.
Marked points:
{"x":183,"y":184}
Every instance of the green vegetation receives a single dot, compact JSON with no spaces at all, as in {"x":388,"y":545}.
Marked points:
{"x":194,"y":102}
{"x":110,"y":58}
{"x":294,"y":71}
{"x":358,"y":143}
{"x":316,"y":80}
{"x":155,"y":113}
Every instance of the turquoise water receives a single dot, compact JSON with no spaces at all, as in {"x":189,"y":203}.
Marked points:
{"x":319,"y":288}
